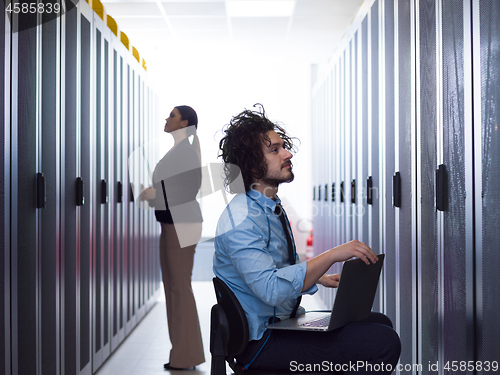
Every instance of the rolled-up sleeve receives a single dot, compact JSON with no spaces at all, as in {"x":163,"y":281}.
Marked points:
{"x":252,"y":258}
{"x":246,"y":246}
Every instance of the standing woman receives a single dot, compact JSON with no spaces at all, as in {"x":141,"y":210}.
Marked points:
{"x":176,"y":182}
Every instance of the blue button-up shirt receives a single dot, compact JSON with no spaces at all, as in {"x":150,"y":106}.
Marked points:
{"x":251,"y":257}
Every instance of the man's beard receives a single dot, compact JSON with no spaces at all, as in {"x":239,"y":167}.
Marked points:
{"x":276,"y":180}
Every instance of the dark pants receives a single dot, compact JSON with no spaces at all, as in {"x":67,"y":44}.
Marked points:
{"x":369,"y":346}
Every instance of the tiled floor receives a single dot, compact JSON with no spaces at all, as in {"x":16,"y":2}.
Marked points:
{"x":147,"y":347}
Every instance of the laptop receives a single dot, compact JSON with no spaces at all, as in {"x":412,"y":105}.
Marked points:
{"x":353,"y":302}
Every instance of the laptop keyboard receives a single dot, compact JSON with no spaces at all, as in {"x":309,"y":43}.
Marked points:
{"x":321,"y":322}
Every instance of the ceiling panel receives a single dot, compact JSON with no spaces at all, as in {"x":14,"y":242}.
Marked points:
{"x":150,"y":37}
{"x":278,"y":24}
{"x":206,"y":9}
{"x":322,"y":8}
{"x":198,"y":23}
{"x":208,"y":37}
{"x":127,"y":24}
{"x":314,"y":29}
{"x":320,"y":24}
{"x":116,"y":10}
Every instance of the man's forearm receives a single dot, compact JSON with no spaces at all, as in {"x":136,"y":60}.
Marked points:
{"x":317,"y":267}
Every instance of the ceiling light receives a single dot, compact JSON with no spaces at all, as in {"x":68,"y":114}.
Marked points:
{"x":260,"y":8}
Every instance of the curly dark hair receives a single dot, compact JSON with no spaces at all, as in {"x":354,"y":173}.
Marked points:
{"x":241,"y":147}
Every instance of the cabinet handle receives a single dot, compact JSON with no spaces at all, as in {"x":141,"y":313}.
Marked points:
{"x":396,"y":189}
{"x":131,"y":194}
{"x":326,"y":190}
{"x":342,"y":197}
{"x":441,"y":188}
{"x":41,"y":188}
{"x":119,"y":192}
{"x":369,"y":190}
{"x":353,"y":191}
{"x":104,"y":192}
{"x":333,"y":192}
{"x":80,"y":196}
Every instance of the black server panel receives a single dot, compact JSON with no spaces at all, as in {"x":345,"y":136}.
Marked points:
{"x":49,"y":228}
{"x":454,"y":259}
{"x":406,"y":297}
{"x":389,"y":125}
{"x":488,"y":255}
{"x":374,"y":158}
{"x":4,"y":256}
{"x":25,"y":273}
{"x":429,"y":259}
{"x":364,"y":119}
{"x":65,"y":177}
{"x":86,"y":209}
{"x":427,"y":133}
{"x":70,"y":212}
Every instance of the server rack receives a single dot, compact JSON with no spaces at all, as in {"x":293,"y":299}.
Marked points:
{"x":49,"y":169}
{"x":427,"y":117}
{"x":486,"y":34}
{"x":64,"y":158}
{"x":86,"y":169}
{"x":405,"y":175}
{"x":24,"y":166}
{"x":5,"y":191}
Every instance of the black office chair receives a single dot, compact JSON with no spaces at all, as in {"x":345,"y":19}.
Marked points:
{"x":229,"y":334}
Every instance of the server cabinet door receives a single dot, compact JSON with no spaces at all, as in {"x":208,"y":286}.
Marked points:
{"x":135,"y":217}
{"x":70,"y":211}
{"x":350,"y":132}
{"x":315,"y":176}
{"x":100,"y":257}
{"x":344,"y":173}
{"x":374,"y":166}
{"x":107,"y":183}
{"x":116,"y":199}
{"x":364,"y":105}
{"x":49,"y":225}
{"x":442,"y":238}
{"x":86,"y":210}
{"x":24,"y":214}
{"x":388,"y":127}
{"x":487,"y":149}
{"x":406,"y":294}
{"x":5,"y":333}
{"x":428,"y":252}
{"x":132,"y":208}
{"x":335,"y":188}
{"x":455,"y":41}
{"x":126,"y":191}
{"x":356,"y":183}
{"x":141,"y":281}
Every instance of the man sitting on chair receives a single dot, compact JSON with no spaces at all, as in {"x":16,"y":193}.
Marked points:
{"x":255,"y":256}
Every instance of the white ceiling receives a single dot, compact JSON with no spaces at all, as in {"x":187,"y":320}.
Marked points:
{"x":158,"y":27}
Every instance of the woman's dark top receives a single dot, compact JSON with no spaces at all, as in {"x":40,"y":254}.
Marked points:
{"x":177,"y":180}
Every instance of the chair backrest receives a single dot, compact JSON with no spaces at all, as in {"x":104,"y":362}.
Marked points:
{"x":238,"y":325}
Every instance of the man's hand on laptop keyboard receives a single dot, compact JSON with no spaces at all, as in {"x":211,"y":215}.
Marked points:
{"x":330,"y":281}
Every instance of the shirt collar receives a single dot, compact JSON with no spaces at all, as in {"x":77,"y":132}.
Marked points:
{"x":263,"y":200}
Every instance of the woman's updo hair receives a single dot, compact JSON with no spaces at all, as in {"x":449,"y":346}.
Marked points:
{"x":189,"y":114}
